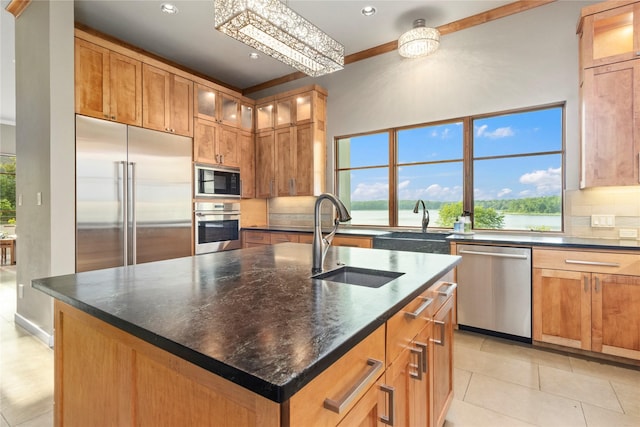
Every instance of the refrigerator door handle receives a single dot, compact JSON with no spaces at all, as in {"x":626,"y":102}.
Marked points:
{"x":125,"y":212}
{"x":132,"y":200}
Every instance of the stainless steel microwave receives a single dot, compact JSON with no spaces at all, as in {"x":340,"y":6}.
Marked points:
{"x":216,"y":181}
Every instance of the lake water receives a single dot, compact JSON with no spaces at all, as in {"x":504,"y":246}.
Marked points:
{"x":409,"y":219}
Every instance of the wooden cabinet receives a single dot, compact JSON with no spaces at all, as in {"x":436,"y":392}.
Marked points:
{"x":252,"y":238}
{"x":611,"y":125}
{"x":247,"y":146}
{"x":216,"y":144}
{"x":587,"y":300}
{"x":220,"y":107}
{"x":290,"y":154}
{"x":108,"y":85}
{"x":167,"y":101}
{"x":353,"y":241}
{"x":610,"y":94}
{"x":442,"y":366}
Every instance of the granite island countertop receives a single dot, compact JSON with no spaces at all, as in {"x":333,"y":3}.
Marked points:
{"x":253,"y":316}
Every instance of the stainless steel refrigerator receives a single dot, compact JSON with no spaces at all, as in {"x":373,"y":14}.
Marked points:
{"x":133,"y":195}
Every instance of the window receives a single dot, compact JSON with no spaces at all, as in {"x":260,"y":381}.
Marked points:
{"x":514,"y":180}
{"x":7,"y":189}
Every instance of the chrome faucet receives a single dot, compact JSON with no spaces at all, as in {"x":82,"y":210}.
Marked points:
{"x":321,"y":244}
{"x":425,"y":215}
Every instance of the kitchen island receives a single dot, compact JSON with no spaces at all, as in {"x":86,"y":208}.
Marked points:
{"x":244,"y":331}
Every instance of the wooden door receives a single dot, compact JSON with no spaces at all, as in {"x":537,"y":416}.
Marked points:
{"x":562,"y":307}
{"x":156,"y":89}
{"x":421,"y":397}
{"x":92,"y":80}
{"x":442,"y":363}
{"x":303,"y":184}
{"x":400,"y":376}
{"x":204,"y":142}
{"x":247,"y":165}
{"x":285,"y":158}
{"x":611,"y":139}
{"x":125,"y":82}
{"x":228,"y":147}
{"x":615,"y":315}
{"x":369,"y":410}
{"x":265,"y":164}
{"x":181,"y":106}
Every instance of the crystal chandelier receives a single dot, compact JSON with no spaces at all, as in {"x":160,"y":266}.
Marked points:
{"x":419,"y":41}
{"x":273,"y":28}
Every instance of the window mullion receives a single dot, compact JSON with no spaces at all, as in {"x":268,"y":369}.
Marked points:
{"x":393,"y":178}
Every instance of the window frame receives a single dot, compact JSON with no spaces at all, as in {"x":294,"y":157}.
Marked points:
{"x":468,"y":159}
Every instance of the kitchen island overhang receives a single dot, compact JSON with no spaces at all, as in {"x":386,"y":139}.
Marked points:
{"x":252,"y":316}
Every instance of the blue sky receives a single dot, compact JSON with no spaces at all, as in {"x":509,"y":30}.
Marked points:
{"x":518,"y":133}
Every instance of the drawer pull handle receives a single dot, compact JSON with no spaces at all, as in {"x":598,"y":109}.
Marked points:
{"x":414,"y":315}
{"x":442,"y":333}
{"x":425,"y":356}
{"x":493,"y":254}
{"x":586,"y":283}
{"x":390,"y":419}
{"x":419,"y":369}
{"x":338,"y":406}
{"x":450,"y":288}
{"x":598,"y":263}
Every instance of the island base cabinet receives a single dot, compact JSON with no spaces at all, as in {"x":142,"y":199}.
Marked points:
{"x":442,"y":366}
{"x":104,"y":375}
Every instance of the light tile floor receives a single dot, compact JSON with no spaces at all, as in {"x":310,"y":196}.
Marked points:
{"x":496,"y":382}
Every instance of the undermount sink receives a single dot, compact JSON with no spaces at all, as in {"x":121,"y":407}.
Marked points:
{"x":413,"y":241}
{"x":359,"y":276}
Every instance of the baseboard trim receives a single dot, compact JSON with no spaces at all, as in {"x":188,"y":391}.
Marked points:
{"x":33,"y":329}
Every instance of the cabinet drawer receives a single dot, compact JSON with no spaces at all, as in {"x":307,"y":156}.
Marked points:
{"x":355,"y":242}
{"x":595,"y":262}
{"x":346,"y":380}
{"x":283,"y":237}
{"x":257,"y":237}
{"x":305,"y":238}
{"x":407,"y":323}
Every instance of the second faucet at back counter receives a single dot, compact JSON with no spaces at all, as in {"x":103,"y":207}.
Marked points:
{"x":425,"y":214}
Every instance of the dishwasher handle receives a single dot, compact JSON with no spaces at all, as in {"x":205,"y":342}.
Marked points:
{"x":494,"y":254}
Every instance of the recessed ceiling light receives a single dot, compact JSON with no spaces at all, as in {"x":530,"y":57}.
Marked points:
{"x":368,"y":11}
{"x":169,"y":8}
{"x":254,"y":55}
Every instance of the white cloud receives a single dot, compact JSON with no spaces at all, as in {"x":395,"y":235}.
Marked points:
{"x":504,"y":192}
{"x":404,"y":184}
{"x":498,"y":133}
{"x":375,"y":191}
{"x":432,"y":192}
{"x":545,"y":182}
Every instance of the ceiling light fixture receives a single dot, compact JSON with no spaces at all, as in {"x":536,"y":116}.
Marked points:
{"x":273,"y":28}
{"x":368,"y":11}
{"x":419,"y":41}
{"x":169,"y":8}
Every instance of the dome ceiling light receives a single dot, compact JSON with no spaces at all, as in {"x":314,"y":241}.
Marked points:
{"x":418,"y":41}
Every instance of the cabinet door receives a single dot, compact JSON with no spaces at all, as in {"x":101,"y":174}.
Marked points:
{"x":421,"y":397}
{"x":303,"y":181}
{"x":204,"y":142}
{"x":246,"y":117}
{"x":156,"y":85}
{"x":562,"y":307}
{"x":403,"y":376}
{"x":285,"y":161}
{"x":229,"y":110}
{"x":125,"y":81}
{"x":91,"y":80}
{"x":247,"y":165}
{"x":181,"y":106}
{"x":206,"y":100}
{"x":264,"y":116}
{"x":370,"y":410}
{"x":442,"y":363}
{"x":615,"y":315}
{"x":228,"y":146}
{"x":353,"y":241}
{"x":304,"y":110}
{"x":284,"y":113}
{"x":611,"y":139}
{"x":611,"y":36}
{"x":265,"y":164}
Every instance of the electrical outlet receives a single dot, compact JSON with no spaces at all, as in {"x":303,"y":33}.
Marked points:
{"x":600,"y":221}
{"x":628,"y":233}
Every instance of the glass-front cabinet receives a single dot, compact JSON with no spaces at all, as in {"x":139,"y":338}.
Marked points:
{"x":219,"y":107}
{"x":264,"y":116}
{"x":611,"y":36}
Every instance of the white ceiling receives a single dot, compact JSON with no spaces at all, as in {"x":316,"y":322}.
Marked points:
{"x":189,"y":37}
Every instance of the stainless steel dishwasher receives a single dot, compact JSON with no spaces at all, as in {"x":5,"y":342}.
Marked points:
{"x":494,"y":290}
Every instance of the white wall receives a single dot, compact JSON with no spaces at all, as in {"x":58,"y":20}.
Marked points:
{"x":45,"y":150}
{"x":523,"y":60}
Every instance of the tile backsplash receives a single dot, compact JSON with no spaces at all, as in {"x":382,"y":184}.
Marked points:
{"x":297,"y":212}
{"x":623,"y":202}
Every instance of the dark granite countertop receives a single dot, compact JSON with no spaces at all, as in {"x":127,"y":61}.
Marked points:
{"x":540,"y":240}
{"x":253,"y":316}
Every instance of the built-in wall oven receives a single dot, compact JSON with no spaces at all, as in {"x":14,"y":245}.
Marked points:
{"x":217,"y":226}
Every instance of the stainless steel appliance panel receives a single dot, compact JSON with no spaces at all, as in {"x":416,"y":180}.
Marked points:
{"x":217,"y":226}
{"x":494,"y":289}
{"x":101,"y":155}
{"x":160,"y":189}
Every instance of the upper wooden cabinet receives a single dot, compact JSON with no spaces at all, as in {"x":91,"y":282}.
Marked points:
{"x":290,"y":109}
{"x":108,"y":85}
{"x":167,"y":101}
{"x":216,"y":144}
{"x":220,"y":107}
{"x":610,"y":34}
